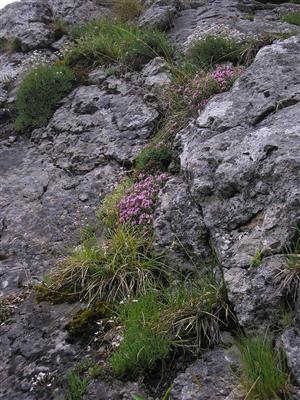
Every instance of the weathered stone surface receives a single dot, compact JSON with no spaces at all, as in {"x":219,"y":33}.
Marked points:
{"x":41,"y":352}
{"x":241,"y":157}
{"x":28,"y":21}
{"x":180,"y":233}
{"x":210,"y":377}
{"x":79,"y":11}
{"x":160,"y":14}
{"x":156,"y":74}
{"x":93,"y":127}
{"x":212,"y":15}
{"x":291,"y":343}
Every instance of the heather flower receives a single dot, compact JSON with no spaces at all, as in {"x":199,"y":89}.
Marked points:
{"x":138,"y":205}
{"x":204,"y":85}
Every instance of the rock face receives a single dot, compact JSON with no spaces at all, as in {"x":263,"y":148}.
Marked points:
{"x":241,"y":159}
{"x":30,"y":21}
{"x":210,"y":377}
{"x":238,"y":191}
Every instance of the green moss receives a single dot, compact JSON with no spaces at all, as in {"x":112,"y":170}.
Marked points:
{"x":45,"y":292}
{"x":84,"y":324}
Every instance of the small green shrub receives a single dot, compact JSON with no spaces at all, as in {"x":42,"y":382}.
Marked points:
{"x":77,"y":386}
{"x":154,"y":158}
{"x":9,"y":45}
{"x":264,"y":373}
{"x":39,"y":94}
{"x":108,"y":42}
{"x":127,"y":10}
{"x":292,"y":18}
{"x":213,"y":50}
{"x":60,"y":28}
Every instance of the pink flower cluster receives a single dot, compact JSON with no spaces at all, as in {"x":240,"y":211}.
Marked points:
{"x":204,"y":85}
{"x":137,"y":207}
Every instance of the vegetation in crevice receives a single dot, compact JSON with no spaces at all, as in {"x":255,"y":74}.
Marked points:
{"x":264,"y":373}
{"x":107,"y":42}
{"x":257,"y":258}
{"x":127,"y":10}
{"x":9,"y":45}
{"x":292,"y":18}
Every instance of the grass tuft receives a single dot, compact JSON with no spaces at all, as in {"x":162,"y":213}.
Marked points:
{"x":264,"y":373}
{"x":292,"y":18}
{"x":77,"y":386}
{"x":127,"y":10}
{"x":107,"y":42}
{"x":213,"y":50}
{"x":122,"y":266}
{"x":186,"y":316}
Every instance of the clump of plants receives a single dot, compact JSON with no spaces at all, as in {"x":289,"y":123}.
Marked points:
{"x":137,"y":206}
{"x":158,"y":323}
{"x":39,"y":94}
{"x":9,"y":45}
{"x":127,"y":10}
{"x":292,"y":18}
{"x":204,"y":85}
{"x":289,"y":275}
{"x":212,"y":50}
{"x":121,"y":266}
{"x":60,"y":28}
{"x":109,"y":42}
{"x":154,"y":157}
{"x":264,"y":371}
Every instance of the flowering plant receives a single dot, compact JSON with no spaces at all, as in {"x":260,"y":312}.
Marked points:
{"x":204,"y":85}
{"x":137,"y":206}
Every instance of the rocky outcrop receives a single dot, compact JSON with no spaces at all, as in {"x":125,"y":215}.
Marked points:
{"x":241,"y":160}
{"x":237,"y":192}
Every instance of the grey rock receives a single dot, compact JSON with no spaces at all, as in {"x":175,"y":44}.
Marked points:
{"x":159,"y":15}
{"x":79,"y":11}
{"x":256,"y":293}
{"x":210,"y":377}
{"x":180,"y":233}
{"x":291,"y":343}
{"x":156,"y":74}
{"x":116,"y":390}
{"x":93,"y":127}
{"x":241,"y":157}
{"x":29,"y":22}
{"x":196,"y":20}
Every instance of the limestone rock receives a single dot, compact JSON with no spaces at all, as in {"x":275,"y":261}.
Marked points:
{"x":210,"y":377}
{"x":241,"y":157}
